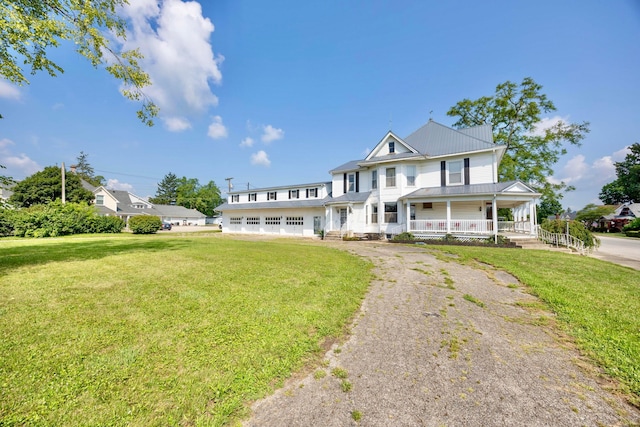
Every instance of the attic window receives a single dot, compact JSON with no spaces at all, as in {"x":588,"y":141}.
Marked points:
{"x":392,"y":147}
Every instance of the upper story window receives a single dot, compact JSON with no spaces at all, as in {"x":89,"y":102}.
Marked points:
{"x":294,"y":194}
{"x":235,"y":198}
{"x":391,"y":177}
{"x":455,"y":172}
{"x":271,"y":195}
{"x":253,"y":197}
{"x":99,"y":199}
{"x":138,"y":206}
{"x":374,"y":179}
{"x":351,"y":185}
{"x":392,"y":147}
{"x":411,"y":176}
{"x":312,"y":192}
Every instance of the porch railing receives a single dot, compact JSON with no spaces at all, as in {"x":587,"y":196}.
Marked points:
{"x":566,"y":240}
{"x":467,"y":226}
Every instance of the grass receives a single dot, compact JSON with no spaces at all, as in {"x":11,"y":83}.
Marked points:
{"x":473,"y":299}
{"x":596,"y":302}
{"x":165,"y":329}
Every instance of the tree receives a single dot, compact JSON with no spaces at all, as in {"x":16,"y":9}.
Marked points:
{"x":85,"y":171}
{"x":514,"y":112}
{"x":626,"y":187}
{"x":591,"y":213}
{"x":167,"y":192}
{"x":549,"y":206}
{"x":30,"y":28}
{"x":45,"y":186}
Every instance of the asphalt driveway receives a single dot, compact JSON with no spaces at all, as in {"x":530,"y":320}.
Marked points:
{"x":619,"y":250}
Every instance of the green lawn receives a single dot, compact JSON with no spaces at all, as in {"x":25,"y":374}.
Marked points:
{"x":162,"y":330}
{"x":596,"y":302}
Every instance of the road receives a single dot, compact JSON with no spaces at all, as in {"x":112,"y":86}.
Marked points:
{"x":620,"y":251}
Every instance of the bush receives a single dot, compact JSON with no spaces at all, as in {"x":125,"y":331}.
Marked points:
{"x":576,"y":229}
{"x":404,"y":236}
{"x":6,"y":222}
{"x":632,"y":226}
{"x":633,"y":233}
{"x":144,"y":224}
{"x":109,"y":224}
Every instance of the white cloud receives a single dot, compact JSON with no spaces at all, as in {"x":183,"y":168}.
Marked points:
{"x":247,"y":142}
{"x":114,"y":184}
{"x":174,"y":38}
{"x":16,"y":164}
{"x":578,"y":171}
{"x":216,"y":129}
{"x":260,"y":158}
{"x":176,"y":124}
{"x":271,"y":134}
{"x":9,"y":91}
{"x":548,"y":123}
{"x":620,"y":155}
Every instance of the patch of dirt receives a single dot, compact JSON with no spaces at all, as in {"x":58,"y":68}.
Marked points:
{"x":441,"y":344}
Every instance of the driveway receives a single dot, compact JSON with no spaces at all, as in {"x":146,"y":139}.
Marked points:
{"x":441,"y":344}
{"x":623,"y":251}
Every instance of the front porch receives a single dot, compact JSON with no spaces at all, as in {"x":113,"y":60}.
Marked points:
{"x":467,"y":226}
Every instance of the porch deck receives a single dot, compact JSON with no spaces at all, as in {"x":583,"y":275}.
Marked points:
{"x":465,"y":227}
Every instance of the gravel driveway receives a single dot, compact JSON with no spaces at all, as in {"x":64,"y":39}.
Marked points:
{"x":421,"y":354}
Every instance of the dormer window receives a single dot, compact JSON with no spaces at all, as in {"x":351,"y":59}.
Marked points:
{"x":253,"y":197}
{"x":235,"y":198}
{"x":294,"y":194}
{"x":392,"y":147}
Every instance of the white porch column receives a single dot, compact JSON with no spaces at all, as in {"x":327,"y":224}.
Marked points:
{"x":532,"y":218}
{"x":448,"y":216}
{"x":408,"y":210}
{"x":494,"y":211}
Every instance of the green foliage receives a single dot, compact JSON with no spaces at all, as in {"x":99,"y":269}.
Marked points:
{"x":576,"y":229}
{"x":144,"y":224}
{"x":404,"y":236}
{"x":167,"y":192}
{"x":6,"y":222}
{"x":633,"y":225}
{"x":635,"y":234}
{"x":46,"y":186}
{"x":56,"y":219}
{"x":592,"y":213}
{"x":138,"y":331}
{"x":549,"y":205}
{"x":30,"y":28}
{"x":85,"y":171}
{"x":189,"y":193}
{"x":626,"y":187}
{"x":514,"y":111}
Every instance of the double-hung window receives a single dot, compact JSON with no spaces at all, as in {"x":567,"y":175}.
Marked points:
{"x":455,"y":172}
{"x":390,"y":213}
{"x":235,"y":198}
{"x":99,"y":199}
{"x":271,"y":195}
{"x":411,"y":176}
{"x":351,"y":183}
{"x":294,"y":194}
{"x":253,"y":197}
{"x":374,"y":179}
{"x":391,"y":177}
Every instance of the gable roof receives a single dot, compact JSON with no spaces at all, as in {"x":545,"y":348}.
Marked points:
{"x":434,"y":139}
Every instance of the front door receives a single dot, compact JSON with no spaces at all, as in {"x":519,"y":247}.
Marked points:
{"x":343,"y":217}
{"x":317,"y":225}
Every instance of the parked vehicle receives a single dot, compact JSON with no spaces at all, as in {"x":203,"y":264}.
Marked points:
{"x":166,"y":226}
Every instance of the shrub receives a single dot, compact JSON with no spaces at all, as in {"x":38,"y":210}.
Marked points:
{"x":633,"y":233}
{"x":144,"y":224}
{"x":109,"y":224}
{"x":6,"y":222}
{"x":576,"y":229}
{"x":632,"y":226}
{"x":404,"y":236}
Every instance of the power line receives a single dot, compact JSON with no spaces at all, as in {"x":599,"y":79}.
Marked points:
{"x":128,"y":174}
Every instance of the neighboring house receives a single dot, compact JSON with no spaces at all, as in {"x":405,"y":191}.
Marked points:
{"x":622,"y":216}
{"x":125,"y":205}
{"x":435,"y":181}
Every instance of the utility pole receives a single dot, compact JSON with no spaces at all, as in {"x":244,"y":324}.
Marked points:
{"x":63,"y":183}
{"x":229,"y":183}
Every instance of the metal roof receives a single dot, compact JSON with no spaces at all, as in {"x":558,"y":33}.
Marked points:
{"x":347,"y":167}
{"x":280,"y":187}
{"x":467,"y":190}
{"x":350,"y":198}
{"x":434,"y":139}
{"x":304,"y":203}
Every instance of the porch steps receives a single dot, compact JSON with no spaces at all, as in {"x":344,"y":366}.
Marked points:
{"x":333,"y":235}
{"x":527,"y":242}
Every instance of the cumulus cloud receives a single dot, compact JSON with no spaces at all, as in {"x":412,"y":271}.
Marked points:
{"x":16,"y":164}
{"x":217,"y":130}
{"x":260,"y":158}
{"x":247,"y":142}
{"x":578,"y":170}
{"x":176,"y":124}
{"x":271,"y":134}
{"x":114,"y":184}
{"x":174,"y":38}
{"x":9,"y":91}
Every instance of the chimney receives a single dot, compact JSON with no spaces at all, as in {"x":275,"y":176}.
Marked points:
{"x":73,"y":168}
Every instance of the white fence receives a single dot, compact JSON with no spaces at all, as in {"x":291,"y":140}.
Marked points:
{"x":562,"y":240}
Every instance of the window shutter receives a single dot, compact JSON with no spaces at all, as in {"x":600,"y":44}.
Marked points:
{"x":443,"y":173}
{"x":307,"y":193}
{"x":357,"y":182}
{"x":344,"y":184}
{"x":316,"y":192}
{"x":466,"y":171}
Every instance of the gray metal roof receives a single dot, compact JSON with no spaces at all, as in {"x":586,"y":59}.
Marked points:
{"x":434,"y":139}
{"x":347,"y":167}
{"x":253,"y":190}
{"x":465,"y":190}
{"x":391,"y":157}
{"x":350,"y":198}
{"x":174,"y":211}
{"x":304,"y":203}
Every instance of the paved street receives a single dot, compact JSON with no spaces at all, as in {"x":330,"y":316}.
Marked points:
{"x":620,"y":251}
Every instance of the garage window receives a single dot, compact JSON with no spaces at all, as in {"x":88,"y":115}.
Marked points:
{"x":235,"y":220}
{"x":295,"y":220}
{"x":253,"y":220}
{"x":272,"y":220}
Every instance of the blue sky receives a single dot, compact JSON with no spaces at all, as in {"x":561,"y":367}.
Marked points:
{"x":276,"y":93}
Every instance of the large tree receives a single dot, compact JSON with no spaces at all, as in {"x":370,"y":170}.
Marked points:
{"x":167,"y":192}
{"x":46,"y":186}
{"x":30,"y":28}
{"x":626,"y":187}
{"x":85,"y":171}
{"x":515,"y":112}
{"x":591,"y":213}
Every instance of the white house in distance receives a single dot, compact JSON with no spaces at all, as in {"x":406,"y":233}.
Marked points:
{"x":125,"y":205}
{"x":434,"y":182}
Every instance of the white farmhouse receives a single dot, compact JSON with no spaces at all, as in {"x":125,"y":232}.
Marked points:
{"x":434,"y":182}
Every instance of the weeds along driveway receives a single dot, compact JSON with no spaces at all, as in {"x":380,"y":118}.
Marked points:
{"x":441,"y":344}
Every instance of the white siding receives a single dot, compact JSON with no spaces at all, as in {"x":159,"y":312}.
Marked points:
{"x":246,"y":225}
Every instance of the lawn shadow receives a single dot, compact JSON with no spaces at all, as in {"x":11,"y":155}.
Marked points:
{"x":76,"y":250}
